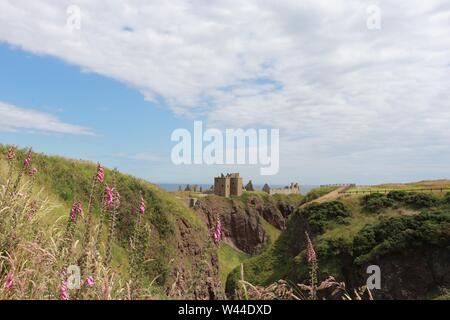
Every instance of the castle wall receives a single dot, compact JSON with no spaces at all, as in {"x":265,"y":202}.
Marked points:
{"x":236,"y":186}
{"x":226,"y":185}
{"x":284,"y":191}
{"x":222,"y":186}
{"x":292,"y":189}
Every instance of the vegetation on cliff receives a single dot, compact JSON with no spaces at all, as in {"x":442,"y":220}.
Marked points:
{"x":176,"y":245}
{"x":348,"y":237}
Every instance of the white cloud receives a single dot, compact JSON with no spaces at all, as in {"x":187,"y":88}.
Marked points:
{"x":311,"y":68}
{"x":13,"y":118}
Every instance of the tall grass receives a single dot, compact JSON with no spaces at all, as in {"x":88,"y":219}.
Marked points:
{"x":287,"y":290}
{"x":39,"y":263}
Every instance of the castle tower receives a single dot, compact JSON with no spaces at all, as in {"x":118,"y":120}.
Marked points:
{"x":222,"y":186}
{"x":228,"y":185}
{"x":235,"y":184}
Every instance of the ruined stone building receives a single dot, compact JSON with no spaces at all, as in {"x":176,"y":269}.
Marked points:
{"x":249,"y":186}
{"x":294,"y":188}
{"x":228,"y":185}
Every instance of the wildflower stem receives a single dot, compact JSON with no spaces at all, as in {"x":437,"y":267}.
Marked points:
{"x":88,"y":218}
{"x":8,"y":181}
{"x":112,"y":225}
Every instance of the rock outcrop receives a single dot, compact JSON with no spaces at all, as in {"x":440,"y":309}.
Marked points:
{"x":412,"y":253}
{"x":202,"y":281}
{"x":409,"y":274}
{"x":242,"y":219}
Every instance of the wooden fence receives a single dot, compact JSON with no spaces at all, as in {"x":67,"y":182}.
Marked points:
{"x":390,"y":190}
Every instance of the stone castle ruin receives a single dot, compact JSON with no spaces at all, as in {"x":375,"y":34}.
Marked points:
{"x":294,"y":188}
{"x":231,"y":185}
{"x":228,"y":185}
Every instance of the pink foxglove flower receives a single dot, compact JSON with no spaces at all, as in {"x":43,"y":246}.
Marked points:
{"x":117,"y":199}
{"x":142,"y":206}
{"x":28,"y":159}
{"x":64,"y":291}
{"x":90,"y":281}
{"x":100,"y":174}
{"x":11,"y":154}
{"x":108,"y":198}
{"x":218,"y":232}
{"x":32,"y":172}
{"x":77,"y":209}
{"x":9,"y":281}
{"x":311,"y":256}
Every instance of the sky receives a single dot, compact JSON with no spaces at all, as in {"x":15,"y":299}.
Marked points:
{"x":354,"y":103}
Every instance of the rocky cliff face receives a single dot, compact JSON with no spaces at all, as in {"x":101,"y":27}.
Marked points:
{"x":201,"y":281}
{"x":412,"y":252}
{"x":241,"y":219}
{"x":409,"y":274}
{"x":276,"y":213}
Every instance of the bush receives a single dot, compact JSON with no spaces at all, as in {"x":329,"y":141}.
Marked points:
{"x":401,"y":232}
{"x":376,"y":202}
{"x":399,"y":196}
{"x":319,"y":216}
{"x":446,"y":199}
{"x":421,"y":200}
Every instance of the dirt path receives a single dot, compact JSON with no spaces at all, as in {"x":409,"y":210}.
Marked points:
{"x":333,"y":195}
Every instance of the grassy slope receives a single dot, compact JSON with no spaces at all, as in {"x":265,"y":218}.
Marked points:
{"x":229,"y":258}
{"x":338,"y":239}
{"x":273,"y":232}
{"x":402,"y":186}
{"x":318,"y":192}
{"x":63,"y":181}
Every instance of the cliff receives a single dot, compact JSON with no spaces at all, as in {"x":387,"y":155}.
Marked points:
{"x":180,"y":261}
{"x":249,"y":222}
{"x":406,"y":235}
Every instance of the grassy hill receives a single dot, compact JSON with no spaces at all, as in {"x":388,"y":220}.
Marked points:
{"x":177,"y":242}
{"x":407,"y":234}
{"x":171,"y":254}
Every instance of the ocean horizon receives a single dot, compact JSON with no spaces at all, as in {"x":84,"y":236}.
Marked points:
{"x":172,"y":187}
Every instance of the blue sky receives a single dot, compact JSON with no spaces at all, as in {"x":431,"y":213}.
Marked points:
{"x":123,"y":124}
{"x":352,"y":103}
{"x":124,"y":130}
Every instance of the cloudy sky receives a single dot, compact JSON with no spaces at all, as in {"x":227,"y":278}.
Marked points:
{"x":353,"y":103}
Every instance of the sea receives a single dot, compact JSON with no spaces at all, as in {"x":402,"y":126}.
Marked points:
{"x":171,"y":187}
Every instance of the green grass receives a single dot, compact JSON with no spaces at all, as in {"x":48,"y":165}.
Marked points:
{"x":273,"y":232}
{"x":317,"y":193}
{"x":229,"y":258}
{"x":342,"y":246}
{"x":403,"y":186}
{"x":246,"y":195}
{"x":63,"y":181}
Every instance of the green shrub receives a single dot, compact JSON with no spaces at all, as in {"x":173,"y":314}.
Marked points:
{"x":322,"y":215}
{"x":398,"y":195}
{"x":446,"y":199}
{"x":376,"y":202}
{"x":401,"y":232}
{"x":421,"y":200}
